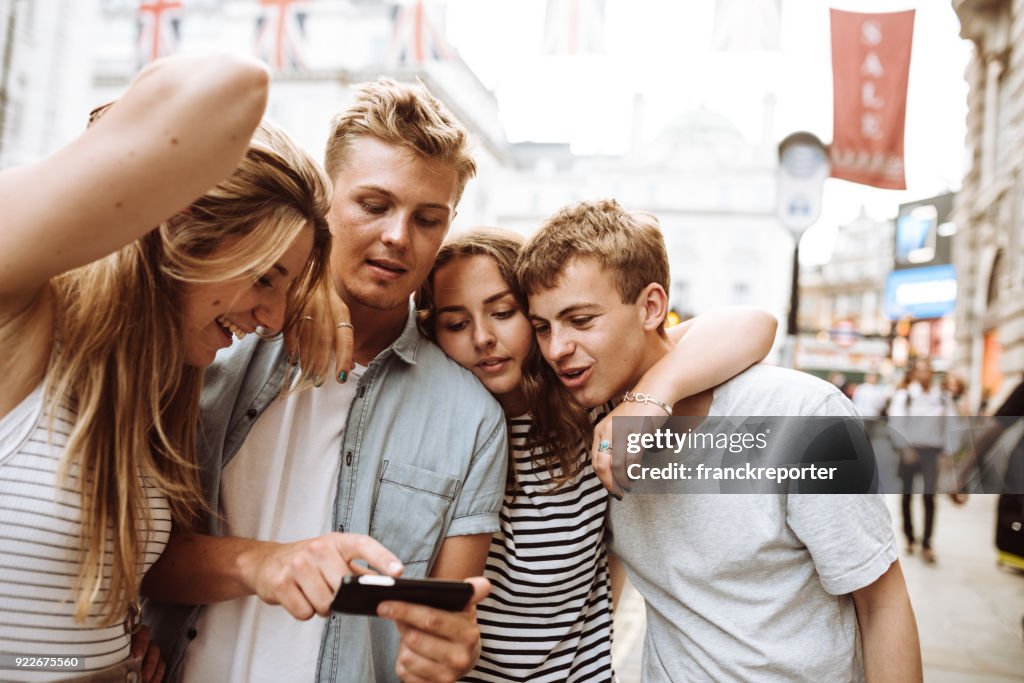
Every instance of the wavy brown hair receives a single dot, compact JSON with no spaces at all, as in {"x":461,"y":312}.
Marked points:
{"x":560,"y":426}
{"x":119,"y":359}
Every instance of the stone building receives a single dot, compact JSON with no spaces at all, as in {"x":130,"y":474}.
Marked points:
{"x":712,"y":189}
{"x":989,"y":244}
{"x":46,"y":52}
{"x":842,"y":320}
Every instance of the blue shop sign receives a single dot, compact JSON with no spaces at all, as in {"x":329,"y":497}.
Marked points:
{"x":928,"y":292}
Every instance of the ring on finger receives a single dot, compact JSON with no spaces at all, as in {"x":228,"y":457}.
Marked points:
{"x":605,"y":446}
{"x":345,"y":324}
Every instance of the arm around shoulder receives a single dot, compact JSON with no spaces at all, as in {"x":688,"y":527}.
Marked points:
{"x":710,"y":349}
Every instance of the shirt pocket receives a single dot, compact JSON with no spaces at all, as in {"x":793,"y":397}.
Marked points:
{"x":411,"y":513}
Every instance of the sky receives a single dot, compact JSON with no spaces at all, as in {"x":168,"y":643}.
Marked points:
{"x":662,"y":50}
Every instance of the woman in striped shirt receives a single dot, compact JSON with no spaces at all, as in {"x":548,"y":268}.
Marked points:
{"x":107,"y":323}
{"x":548,"y":617}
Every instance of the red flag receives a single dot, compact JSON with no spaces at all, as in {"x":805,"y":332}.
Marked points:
{"x":870,"y":68}
{"x":415,"y":38}
{"x":158,"y":22}
{"x":280,"y":34}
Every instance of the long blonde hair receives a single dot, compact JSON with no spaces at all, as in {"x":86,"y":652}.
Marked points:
{"x":119,"y":360}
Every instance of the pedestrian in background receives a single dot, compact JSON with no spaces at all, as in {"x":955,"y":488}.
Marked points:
{"x":924,"y":442}
{"x":870,"y":397}
{"x":957,"y":390}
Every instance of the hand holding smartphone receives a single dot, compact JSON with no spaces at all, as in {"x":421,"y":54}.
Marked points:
{"x":362,"y":594}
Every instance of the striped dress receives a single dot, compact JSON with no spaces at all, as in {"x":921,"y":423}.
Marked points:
{"x":39,"y":532}
{"x":548,"y":617}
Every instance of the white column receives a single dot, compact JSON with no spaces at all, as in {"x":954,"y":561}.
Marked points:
{"x":994,"y":69}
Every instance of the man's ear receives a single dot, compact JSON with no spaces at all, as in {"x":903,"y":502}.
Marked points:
{"x":654,"y":301}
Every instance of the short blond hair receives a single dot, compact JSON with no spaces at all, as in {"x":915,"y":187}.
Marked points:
{"x":629,"y":245}
{"x":402,"y":114}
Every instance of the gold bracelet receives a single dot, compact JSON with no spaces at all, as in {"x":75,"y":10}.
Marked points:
{"x":637,"y":397}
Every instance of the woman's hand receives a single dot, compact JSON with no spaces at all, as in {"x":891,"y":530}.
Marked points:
{"x":323,"y":331}
{"x":153,"y":665}
{"x":609,"y":455}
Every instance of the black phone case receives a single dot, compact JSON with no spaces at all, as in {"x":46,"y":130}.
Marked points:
{"x":356,"y":598}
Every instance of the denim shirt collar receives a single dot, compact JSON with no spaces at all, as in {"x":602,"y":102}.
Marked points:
{"x":408,"y":342}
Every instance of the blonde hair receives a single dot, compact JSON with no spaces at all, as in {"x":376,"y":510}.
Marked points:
{"x":119,"y":360}
{"x":628,"y":245}
{"x":406,"y":115}
{"x":559,"y":424}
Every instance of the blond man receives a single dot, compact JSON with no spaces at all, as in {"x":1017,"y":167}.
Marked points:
{"x":405,"y":453}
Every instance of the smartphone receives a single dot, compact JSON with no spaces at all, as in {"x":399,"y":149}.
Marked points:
{"x":362,"y":594}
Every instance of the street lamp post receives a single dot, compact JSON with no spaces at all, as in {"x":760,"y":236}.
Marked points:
{"x":803,"y":167}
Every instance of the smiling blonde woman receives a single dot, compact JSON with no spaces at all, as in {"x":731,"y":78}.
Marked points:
{"x":112,"y":301}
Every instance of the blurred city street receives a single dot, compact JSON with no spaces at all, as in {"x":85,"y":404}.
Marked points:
{"x":969,"y":610}
{"x":853,"y":167}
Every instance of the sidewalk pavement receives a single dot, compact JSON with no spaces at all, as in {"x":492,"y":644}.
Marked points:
{"x":969,"y":611}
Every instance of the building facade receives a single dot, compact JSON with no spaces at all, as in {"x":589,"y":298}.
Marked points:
{"x":712,"y":189}
{"x":46,"y":53}
{"x":989,"y":244}
{"x":842,"y":320}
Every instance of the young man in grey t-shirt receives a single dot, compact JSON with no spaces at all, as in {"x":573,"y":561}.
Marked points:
{"x":738,"y":587}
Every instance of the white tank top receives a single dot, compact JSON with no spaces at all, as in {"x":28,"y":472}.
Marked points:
{"x":40,"y":528}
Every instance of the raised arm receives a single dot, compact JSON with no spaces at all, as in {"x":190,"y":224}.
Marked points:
{"x":182,"y":126}
{"x":709,"y":350}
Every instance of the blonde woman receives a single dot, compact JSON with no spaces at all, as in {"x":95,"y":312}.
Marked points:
{"x":107,"y":322}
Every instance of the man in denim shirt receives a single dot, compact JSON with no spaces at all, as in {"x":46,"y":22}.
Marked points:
{"x":410,"y":450}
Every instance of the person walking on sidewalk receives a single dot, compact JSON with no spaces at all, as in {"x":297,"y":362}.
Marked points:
{"x":926,"y":441}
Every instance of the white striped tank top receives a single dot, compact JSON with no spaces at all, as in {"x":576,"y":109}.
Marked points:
{"x":39,"y":534}
{"x":548,"y":617}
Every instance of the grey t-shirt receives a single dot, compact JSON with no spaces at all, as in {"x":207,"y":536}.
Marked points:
{"x":754,"y":587}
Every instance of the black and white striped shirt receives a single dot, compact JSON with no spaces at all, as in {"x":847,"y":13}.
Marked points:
{"x":40,"y":525}
{"x":548,"y":617}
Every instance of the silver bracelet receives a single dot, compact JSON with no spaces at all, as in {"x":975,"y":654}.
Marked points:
{"x":637,"y":397}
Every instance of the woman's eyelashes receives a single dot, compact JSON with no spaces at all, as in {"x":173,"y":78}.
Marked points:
{"x":459,"y":325}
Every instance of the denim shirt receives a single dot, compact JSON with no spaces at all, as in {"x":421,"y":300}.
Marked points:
{"x":423,"y":458}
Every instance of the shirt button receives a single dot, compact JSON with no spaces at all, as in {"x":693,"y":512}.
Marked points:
{"x":251,"y":413}
{"x":348,"y":458}
{"x":192,"y":633}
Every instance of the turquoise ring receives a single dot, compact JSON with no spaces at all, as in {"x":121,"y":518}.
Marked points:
{"x":605,"y":446}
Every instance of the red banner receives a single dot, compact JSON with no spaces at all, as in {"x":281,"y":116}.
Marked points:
{"x":870,"y":69}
